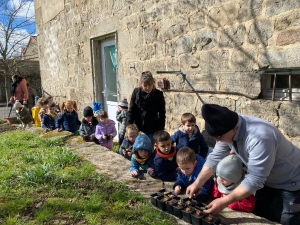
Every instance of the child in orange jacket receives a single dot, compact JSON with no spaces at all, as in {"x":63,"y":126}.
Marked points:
{"x":229,"y":175}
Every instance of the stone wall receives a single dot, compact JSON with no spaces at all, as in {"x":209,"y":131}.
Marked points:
{"x":218,"y":44}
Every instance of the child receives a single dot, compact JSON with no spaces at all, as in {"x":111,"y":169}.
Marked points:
{"x":165,"y":158}
{"x":88,"y":125}
{"x":132,"y":131}
{"x":230,"y":174}
{"x":43,"y":109}
{"x":142,"y":156}
{"x":188,"y":135}
{"x":49,"y":99}
{"x":122,"y":118}
{"x":48,"y":121}
{"x":68,"y":117}
{"x":189,"y":166}
{"x":105,"y":130}
{"x":35,"y":112}
{"x":23,"y":114}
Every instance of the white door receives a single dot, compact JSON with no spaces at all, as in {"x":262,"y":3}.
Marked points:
{"x":109,"y":80}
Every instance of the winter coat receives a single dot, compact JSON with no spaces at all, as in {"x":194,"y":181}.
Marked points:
{"x":20,"y":92}
{"x":126,"y":145}
{"x":68,"y":121}
{"x":103,"y":129}
{"x":48,"y":122}
{"x":89,"y":129}
{"x":122,"y":118}
{"x":151,"y":116}
{"x":142,"y":142}
{"x":166,"y":168}
{"x":184,"y":181}
{"x":31,"y":97}
{"x":195,"y":142}
{"x":35,"y":115}
{"x":245,"y":205}
{"x":24,"y":113}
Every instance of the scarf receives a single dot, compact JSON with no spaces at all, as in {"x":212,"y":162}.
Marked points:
{"x":14,"y":85}
{"x":166,"y":156}
{"x":142,"y":98}
{"x":139,"y":159}
{"x":53,"y":115}
{"x":227,"y":190}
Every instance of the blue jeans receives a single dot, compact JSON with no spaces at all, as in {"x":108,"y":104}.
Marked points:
{"x":278,"y":205}
{"x":121,"y":138}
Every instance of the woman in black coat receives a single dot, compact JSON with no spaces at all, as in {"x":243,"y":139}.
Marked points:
{"x":147,"y":107}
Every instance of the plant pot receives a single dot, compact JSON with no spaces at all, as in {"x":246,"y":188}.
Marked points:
{"x":172,"y":195}
{"x":186,"y":214}
{"x":196,"y":217}
{"x":177,"y":209}
{"x":169,"y":206}
{"x":153,"y":199}
{"x":161,"y":191}
{"x":209,"y":220}
{"x":161,"y":202}
{"x":190,"y":202}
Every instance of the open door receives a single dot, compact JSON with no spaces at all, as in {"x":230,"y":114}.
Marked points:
{"x":109,"y":79}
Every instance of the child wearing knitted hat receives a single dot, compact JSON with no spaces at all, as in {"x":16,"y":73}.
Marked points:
{"x":229,"y":175}
{"x":88,"y":125}
{"x":23,"y":114}
{"x":122,"y":118}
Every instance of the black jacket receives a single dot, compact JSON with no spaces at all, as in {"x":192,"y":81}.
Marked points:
{"x":152,"y":117}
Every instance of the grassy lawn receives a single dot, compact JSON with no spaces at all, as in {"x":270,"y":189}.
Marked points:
{"x":42,"y":182}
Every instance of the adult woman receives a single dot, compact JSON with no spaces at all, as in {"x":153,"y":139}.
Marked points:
{"x":147,"y":107}
{"x":19,"y":90}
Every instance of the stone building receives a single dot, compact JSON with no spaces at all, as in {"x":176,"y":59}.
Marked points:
{"x":31,"y":51}
{"x":220,"y":51}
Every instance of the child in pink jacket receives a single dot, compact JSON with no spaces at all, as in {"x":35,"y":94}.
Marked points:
{"x":105,"y":130}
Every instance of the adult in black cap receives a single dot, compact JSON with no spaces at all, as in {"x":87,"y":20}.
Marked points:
{"x":273,"y":164}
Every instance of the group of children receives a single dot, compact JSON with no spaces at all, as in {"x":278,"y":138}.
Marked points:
{"x":180,"y":163}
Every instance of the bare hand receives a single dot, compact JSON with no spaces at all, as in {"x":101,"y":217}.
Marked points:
{"x":192,"y":190}
{"x":150,"y":170}
{"x":123,"y":152}
{"x":58,"y":129}
{"x":104,"y":137}
{"x":90,"y":138}
{"x":177,"y":190}
{"x":134,"y":173}
{"x":129,"y":153}
{"x":216,"y":206}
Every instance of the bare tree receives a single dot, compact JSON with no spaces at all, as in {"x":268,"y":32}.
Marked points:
{"x":17,"y":24}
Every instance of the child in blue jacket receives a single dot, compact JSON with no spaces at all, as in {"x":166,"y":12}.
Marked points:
{"x":188,"y":135}
{"x":165,"y":156}
{"x":142,"y":156}
{"x":48,"y":120}
{"x":189,"y":166}
{"x":68,"y":118}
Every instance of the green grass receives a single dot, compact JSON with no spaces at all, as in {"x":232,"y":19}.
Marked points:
{"x":116,"y":147}
{"x":42,"y":182}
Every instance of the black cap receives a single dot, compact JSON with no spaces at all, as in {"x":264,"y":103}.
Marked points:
{"x":218,"y":120}
{"x":88,"y":111}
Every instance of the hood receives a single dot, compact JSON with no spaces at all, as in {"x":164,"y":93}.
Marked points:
{"x":94,"y":121}
{"x":142,"y":142}
{"x":181,"y":128}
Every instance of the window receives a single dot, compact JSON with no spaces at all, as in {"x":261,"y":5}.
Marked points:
{"x":281,"y":84}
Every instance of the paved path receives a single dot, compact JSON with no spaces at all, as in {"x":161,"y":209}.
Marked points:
{"x":116,"y":168}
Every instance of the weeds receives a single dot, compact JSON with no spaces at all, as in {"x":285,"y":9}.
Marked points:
{"x":42,"y":182}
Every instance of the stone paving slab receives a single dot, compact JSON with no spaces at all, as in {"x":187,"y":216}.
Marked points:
{"x":116,"y":168}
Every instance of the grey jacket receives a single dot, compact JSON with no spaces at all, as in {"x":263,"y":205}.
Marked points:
{"x":122,"y":117}
{"x":24,"y":113}
{"x":270,"y":158}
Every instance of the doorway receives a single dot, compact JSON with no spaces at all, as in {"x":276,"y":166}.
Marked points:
{"x":109,"y":78}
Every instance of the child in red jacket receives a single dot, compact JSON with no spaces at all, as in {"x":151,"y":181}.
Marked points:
{"x":229,"y":175}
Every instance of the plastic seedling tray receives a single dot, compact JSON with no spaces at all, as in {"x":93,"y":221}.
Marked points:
{"x":196,"y":216}
{"x":153,"y":199}
{"x":177,"y":208}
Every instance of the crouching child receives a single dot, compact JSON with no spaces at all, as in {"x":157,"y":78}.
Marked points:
{"x":165,"y":156}
{"x":88,"y":125}
{"x":142,"y":156}
{"x":230,"y":174}
{"x":23,"y":114}
{"x":189,"y":166}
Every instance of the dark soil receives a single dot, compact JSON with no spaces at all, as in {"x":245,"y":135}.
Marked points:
{"x":6,"y":127}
